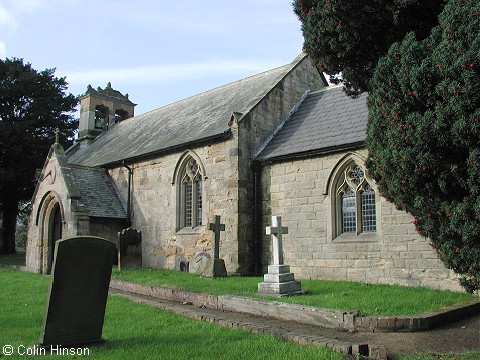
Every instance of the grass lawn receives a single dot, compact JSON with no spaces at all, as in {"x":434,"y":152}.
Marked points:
{"x":369,"y":299}
{"x":134,"y":331}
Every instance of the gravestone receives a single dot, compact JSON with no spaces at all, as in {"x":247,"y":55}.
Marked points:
{"x":78,"y":290}
{"x":128,"y":251}
{"x":219,"y":269}
{"x":279,"y":280}
{"x":203,"y":264}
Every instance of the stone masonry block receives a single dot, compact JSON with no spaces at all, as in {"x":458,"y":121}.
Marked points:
{"x":278,"y":269}
{"x":278,"y":278}
{"x":279,"y":288}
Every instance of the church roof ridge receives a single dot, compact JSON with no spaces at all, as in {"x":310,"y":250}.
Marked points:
{"x":217,"y":88}
{"x":327,"y":88}
{"x":202,"y":117}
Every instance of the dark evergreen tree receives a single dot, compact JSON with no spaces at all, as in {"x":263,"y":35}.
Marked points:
{"x":32,"y":105}
{"x":349,"y":37}
{"x":424,"y":135}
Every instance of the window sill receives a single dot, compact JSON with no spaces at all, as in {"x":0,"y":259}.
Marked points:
{"x":367,"y":237}
{"x":191,"y":230}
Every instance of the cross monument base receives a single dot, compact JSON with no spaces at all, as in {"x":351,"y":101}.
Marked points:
{"x":218,"y":269}
{"x":279,"y":281}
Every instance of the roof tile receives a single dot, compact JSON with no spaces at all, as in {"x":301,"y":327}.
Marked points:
{"x":326,"y":118}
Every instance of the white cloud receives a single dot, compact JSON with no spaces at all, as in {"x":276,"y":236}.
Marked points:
{"x":168,"y":73}
{"x":10,"y":12}
{"x":27,"y":5}
{"x":7,"y":19}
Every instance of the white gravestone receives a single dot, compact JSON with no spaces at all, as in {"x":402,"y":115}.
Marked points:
{"x":279,"y":280}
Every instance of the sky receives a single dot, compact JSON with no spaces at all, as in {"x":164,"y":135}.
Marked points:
{"x":157,"y":51}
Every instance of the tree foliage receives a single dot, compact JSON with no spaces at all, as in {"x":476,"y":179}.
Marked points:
{"x":349,"y":37}
{"x":424,"y":135}
{"x":32,"y":105}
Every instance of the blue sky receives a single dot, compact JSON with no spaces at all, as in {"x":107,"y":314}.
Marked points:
{"x":157,"y":51}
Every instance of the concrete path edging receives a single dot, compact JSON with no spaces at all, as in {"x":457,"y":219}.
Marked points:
{"x":327,"y":318}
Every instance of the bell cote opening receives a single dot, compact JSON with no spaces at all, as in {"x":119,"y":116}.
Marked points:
{"x":100,"y":109}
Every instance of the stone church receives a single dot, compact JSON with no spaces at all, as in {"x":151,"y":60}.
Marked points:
{"x":282,"y":142}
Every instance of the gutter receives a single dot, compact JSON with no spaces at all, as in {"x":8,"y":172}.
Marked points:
{"x":311,"y":153}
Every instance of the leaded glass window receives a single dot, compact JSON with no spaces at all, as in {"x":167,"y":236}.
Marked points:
{"x":191,"y":195}
{"x":188,"y":203}
{"x":356,"y":212}
{"x":348,"y":211}
{"x":369,"y":220}
{"x":198,"y":185}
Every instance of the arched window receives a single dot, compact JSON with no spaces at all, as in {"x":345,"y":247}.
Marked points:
{"x":355,"y":210}
{"x":189,"y":193}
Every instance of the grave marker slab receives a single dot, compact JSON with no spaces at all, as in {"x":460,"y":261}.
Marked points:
{"x":129,"y":244}
{"x":78,"y":290}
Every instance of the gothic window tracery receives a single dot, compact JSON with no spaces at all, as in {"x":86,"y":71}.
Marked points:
{"x":191,"y":195}
{"x":356,"y":208}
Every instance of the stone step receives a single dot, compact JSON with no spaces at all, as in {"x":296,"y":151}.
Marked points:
{"x":279,"y":288}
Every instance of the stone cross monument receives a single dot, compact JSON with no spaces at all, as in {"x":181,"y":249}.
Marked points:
{"x":216,"y":227}
{"x":276,"y":230}
{"x":219,"y":269}
{"x":279,"y":280}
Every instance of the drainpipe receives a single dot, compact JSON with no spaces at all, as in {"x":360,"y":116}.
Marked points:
{"x":129,"y":191}
{"x":257,"y":217}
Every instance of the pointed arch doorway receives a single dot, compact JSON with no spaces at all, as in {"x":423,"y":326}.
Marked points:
{"x":54,"y":233}
{"x":51,"y":221}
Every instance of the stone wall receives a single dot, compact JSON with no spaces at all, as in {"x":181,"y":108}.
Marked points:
{"x":106,"y":228}
{"x":154,"y":206}
{"x":253,"y":130}
{"x":396,"y":254}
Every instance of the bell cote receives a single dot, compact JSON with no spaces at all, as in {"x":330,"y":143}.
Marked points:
{"x":100,"y":109}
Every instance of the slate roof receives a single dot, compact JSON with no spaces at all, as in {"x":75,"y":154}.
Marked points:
{"x":200,"y":117}
{"x":97,"y":192}
{"x":327,"y":119}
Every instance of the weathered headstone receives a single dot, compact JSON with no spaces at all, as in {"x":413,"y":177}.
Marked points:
{"x":279,"y":280}
{"x":203,"y":264}
{"x":77,"y":295}
{"x":128,"y":252}
{"x":219,"y":269}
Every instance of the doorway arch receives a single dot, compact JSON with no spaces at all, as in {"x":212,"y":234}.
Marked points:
{"x":55,"y":228}
{"x":51,"y":221}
